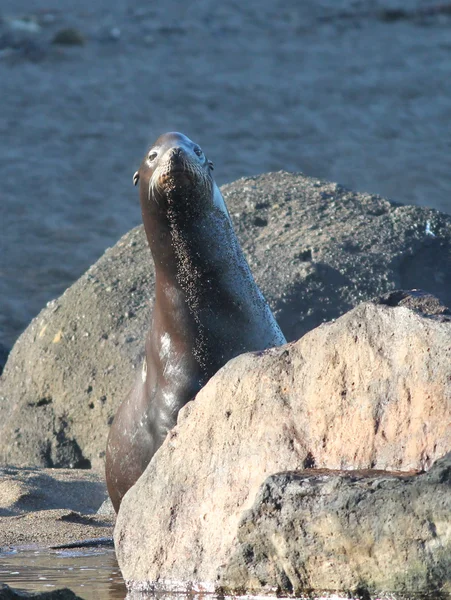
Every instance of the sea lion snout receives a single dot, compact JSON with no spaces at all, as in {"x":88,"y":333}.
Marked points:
{"x":176,"y":156}
{"x":176,"y":153}
{"x":179,"y":162}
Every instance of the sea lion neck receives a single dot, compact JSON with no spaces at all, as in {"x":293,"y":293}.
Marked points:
{"x":158,"y":234}
{"x":174,"y":226}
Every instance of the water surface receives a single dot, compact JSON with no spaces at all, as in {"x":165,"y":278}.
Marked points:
{"x":90,"y":573}
{"x":337,"y":89}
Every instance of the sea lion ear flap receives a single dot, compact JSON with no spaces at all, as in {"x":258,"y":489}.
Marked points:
{"x":135,"y":178}
{"x":211,"y":165}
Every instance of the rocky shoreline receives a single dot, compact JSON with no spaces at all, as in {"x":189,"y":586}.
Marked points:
{"x":271,"y":482}
{"x":316,"y":250}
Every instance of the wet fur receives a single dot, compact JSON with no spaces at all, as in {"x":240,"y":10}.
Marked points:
{"x":207,"y":308}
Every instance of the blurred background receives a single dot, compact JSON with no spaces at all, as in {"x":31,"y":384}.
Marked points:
{"x":353,"y":91}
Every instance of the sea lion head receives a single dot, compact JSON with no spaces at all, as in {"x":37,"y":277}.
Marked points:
{"x":174,"y":167}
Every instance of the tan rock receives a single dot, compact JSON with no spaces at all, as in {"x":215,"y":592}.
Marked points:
{"x":371,"y":390}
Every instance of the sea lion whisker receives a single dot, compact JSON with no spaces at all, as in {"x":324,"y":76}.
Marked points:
{"x":150,"y":190}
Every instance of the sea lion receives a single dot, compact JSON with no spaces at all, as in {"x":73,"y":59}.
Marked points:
{"x":208,"y":308}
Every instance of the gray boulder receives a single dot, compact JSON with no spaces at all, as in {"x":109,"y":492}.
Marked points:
{"x":367,"y":534}
{"x":316,"y":250}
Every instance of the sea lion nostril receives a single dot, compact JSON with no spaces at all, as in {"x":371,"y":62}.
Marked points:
{"x":176,"y":154}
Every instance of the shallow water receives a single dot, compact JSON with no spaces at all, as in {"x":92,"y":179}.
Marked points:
{"x":91,"y":573}
{"x":328,"y":87}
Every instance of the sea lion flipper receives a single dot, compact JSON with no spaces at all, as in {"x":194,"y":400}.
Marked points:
{"x":136,"y":178}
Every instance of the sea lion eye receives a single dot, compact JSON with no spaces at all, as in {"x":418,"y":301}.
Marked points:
{"x":198,"y":151}
{"x":152,"y":156}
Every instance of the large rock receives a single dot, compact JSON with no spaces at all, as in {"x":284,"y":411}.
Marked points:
{"x":371,"y":390}
{"x":361,"y":533}
{"x":316,"y":250}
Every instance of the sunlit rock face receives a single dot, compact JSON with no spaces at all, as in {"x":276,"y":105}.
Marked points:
{"x":370,"y":391}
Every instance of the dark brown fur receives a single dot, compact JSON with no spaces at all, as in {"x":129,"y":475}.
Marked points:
{"x":207,"y":308}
